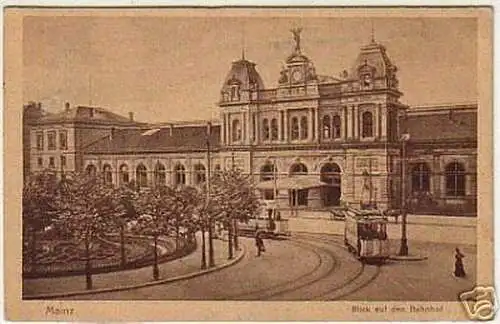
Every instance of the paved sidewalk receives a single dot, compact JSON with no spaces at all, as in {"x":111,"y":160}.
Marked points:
{"x":188,"y":265}
{"x":438,"y":220}
{"x":437,"y":229}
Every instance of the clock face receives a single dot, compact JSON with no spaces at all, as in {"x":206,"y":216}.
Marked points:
{"x":296,"y":75}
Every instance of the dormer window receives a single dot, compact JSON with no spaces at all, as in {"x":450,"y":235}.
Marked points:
{"x":366,"y":74}
{"x":234,"y":88}
{"x":366,"y":80}
{"x":235,"y":93}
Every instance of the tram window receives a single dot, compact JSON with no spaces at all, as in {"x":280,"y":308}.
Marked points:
{"x":382,"y":233}
{"x":368,"y":231}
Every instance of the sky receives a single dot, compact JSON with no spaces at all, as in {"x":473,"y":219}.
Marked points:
{"x":171,"y":68}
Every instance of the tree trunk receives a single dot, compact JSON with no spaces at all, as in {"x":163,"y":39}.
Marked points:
{"x":122,"y":245}
{"x":177,"y":233}
{"x":230,"y":239}
{"x":156,"y":272}
{"x":34,"y":239}
{"x":235,"y":227}
{"x":203,"y":249}
{"x":211,"y":260}
{"x":88,"y":266}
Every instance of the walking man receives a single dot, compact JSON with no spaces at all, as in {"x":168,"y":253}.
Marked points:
{"x":259,"y":242}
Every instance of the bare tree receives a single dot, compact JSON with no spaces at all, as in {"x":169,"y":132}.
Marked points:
{"x":83,"y":213}
{"x":155,"y":209}
{"x":39,"y":209}
{"x":232,"y":198}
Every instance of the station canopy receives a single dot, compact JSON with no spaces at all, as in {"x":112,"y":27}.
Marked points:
{"x":297,"y":182}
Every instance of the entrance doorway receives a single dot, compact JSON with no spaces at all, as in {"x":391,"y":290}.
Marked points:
{"x":331,"y":175}
{"x":298,"y":197}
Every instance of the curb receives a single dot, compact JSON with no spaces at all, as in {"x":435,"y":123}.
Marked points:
{"x":238,"y":258}
{"x":407,"y":258}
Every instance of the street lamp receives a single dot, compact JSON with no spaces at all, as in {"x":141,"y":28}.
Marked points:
{"x":403,"y":251}
{"x":211,"y":262}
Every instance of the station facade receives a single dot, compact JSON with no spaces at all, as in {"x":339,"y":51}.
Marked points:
{"x":319,"y":140}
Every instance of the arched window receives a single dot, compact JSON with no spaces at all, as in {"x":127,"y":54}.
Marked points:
{"x":91,"y":170}
{"x":420,"y":178}
{"x":337,"y":124}
{"x":267,"y":172}
{"x":180,"y":174}
{"x":455,"y":179}
{"x":330,"y":173}
{"x":327,"y":130}
{"x":274,"y":129}
{"x":217,"y":168}
{"x":141,"y":175}
{"x":199,"y":173}
{"x":303,"y":127}
{"x":295,"y":128}
{"x":367,"y":124}
{"x":265,"y":129}
{"x":236,"y":134}
{"x":107,"y":173}
{"x":160,"y":175}
{"x":124,"y":177}
{"x":298,"y":168}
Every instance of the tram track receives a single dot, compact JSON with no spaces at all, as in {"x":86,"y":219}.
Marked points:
{"x":361,"y":279}
{"x":291,"y":285}
{"x":330,"y":271}
{"x":300,"y":288}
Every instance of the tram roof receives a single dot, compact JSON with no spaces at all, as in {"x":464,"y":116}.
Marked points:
{"x":366,"y":215}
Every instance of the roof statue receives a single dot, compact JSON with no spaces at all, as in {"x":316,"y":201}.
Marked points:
{"x":296,"y":37}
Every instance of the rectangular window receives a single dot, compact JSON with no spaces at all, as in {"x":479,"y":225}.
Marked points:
{"x":52,"y":163}
{"x":268,"y":194}
{"x":51,"y":140}
{"x":63,"y":161}
{"x":40,"y":162}
{"x":63,"y":140}
{"x":39,"y":141}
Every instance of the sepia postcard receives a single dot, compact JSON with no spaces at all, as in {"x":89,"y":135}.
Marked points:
{"x":248,"y":164}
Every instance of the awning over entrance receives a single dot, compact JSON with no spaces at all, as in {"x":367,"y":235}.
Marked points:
{"x":296,"y":182}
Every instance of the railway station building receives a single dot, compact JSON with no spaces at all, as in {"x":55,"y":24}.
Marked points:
{"x":319,"y":140}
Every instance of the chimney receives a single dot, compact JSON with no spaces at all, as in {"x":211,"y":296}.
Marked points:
{"x":39,"y":106}
{"x":66,"y":106}
{"x":131,"y":116}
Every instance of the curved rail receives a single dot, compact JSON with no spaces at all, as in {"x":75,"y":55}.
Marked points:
{"x":354,"y":284}
{"x":291,"y":285}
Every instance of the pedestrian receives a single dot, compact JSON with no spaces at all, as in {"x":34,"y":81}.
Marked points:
{"x":459,"y":265}
{"x":259,"y":243}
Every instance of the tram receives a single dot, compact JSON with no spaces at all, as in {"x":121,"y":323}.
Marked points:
{"x":268,"y":222}
{"x":365,"y":234}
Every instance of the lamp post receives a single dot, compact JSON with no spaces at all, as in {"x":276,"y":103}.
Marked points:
{"x":203,"y":253}
{"x":403,"y":251}
{"x":211,"y":261}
